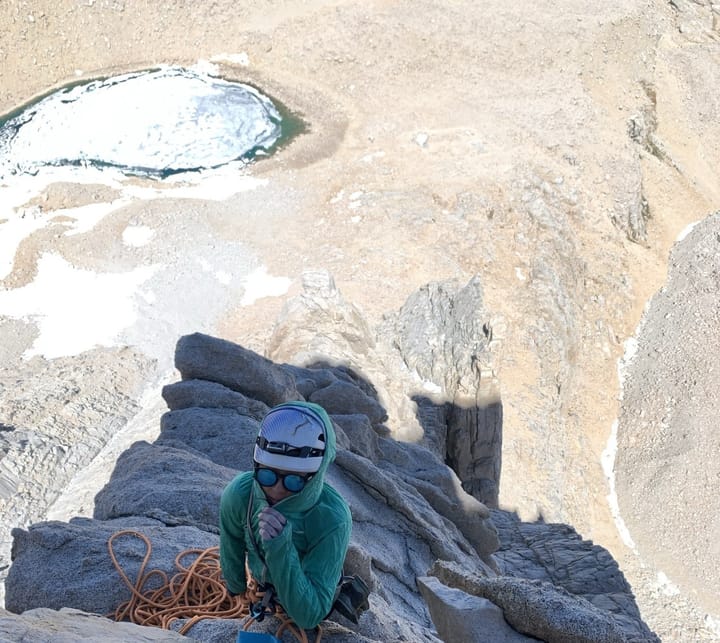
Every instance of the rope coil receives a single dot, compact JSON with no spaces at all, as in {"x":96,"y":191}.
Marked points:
{"x":195,"y":593}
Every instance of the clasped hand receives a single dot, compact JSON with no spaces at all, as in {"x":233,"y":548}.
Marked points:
{"x":272,"y":522}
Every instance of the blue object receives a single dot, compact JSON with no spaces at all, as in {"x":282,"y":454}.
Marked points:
{"x":293,"y":482}
{"x":256,"y":637}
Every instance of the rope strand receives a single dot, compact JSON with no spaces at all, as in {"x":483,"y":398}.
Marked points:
{"x":195,"y":593}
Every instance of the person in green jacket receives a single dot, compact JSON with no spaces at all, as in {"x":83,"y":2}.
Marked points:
{"x":300,"y":525}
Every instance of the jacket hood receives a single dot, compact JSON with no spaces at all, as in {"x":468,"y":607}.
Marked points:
{"x":310,"y":494}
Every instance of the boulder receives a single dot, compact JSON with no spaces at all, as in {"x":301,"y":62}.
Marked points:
{"x":538,"y":608}
{"x":345,"y":398}
{"x":69,"y":625}
{"x":223,"y":435}
{"x":322,"y":373}
{"x":355,"y":433}
{"x":168,"y":484}
{"x":211,"y":395}
{"x":200,"y":356}
{"x":462,"y":617}
{"x":57,"y":564}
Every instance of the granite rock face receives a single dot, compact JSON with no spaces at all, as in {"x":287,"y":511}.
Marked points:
{"x":68,"y":625}
{"x":464,"y":617}
{"x":200,"y":356}
{"x":68,"y":565}
{"x":578,"y":567}
{"x":410,"y":514}
{"x":56,"y":417}
{"x":536,"y":608}
{"x":444,"y":334}
{"x":176,"y":486}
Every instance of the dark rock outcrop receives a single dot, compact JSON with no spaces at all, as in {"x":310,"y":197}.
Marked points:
{"x":71,"y":626}
{"x":175,"y":486}
{"x":60,"y":564}
{"x":444,"y":334}
{"x":200,"y":356}
{"x":556,"y":554}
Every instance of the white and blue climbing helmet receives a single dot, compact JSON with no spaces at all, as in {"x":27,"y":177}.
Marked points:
{"x":291,"y":438}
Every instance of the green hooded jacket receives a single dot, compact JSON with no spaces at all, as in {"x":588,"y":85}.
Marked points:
{"x":304,"y":562}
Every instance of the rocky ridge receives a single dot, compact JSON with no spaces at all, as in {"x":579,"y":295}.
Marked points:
{"x":413,"y":520}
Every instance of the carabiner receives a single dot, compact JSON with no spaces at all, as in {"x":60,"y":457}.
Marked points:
{"x":266,"y":606}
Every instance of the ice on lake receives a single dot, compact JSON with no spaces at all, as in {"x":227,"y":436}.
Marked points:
{"x":153,"y":122}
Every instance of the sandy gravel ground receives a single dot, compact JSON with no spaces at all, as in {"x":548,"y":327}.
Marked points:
{"x":434,"y":129}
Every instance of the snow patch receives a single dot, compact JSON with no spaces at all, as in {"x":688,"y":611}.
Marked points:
{"x":88,"y":216}
{"x":137,"y":236}
{"x":75,"y":310}
{"x":259,"y":284}
{"x":607,"y":459}
{"x":18,"y":220}
{"x":686,"y":231}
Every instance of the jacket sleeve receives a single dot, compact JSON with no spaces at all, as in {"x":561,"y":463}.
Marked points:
{"x":233,"y":506}
{"x":306,"y":588}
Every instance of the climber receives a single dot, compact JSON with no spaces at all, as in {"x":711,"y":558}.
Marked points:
{"x":300,"y":525}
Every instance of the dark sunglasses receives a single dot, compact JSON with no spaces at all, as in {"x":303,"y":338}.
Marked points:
{"x":293,"y":482}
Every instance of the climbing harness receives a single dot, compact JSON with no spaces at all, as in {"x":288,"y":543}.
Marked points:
{"x":195,"y":593}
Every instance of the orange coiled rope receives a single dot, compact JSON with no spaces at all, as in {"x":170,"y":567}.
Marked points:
{"x":195,"y":593}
